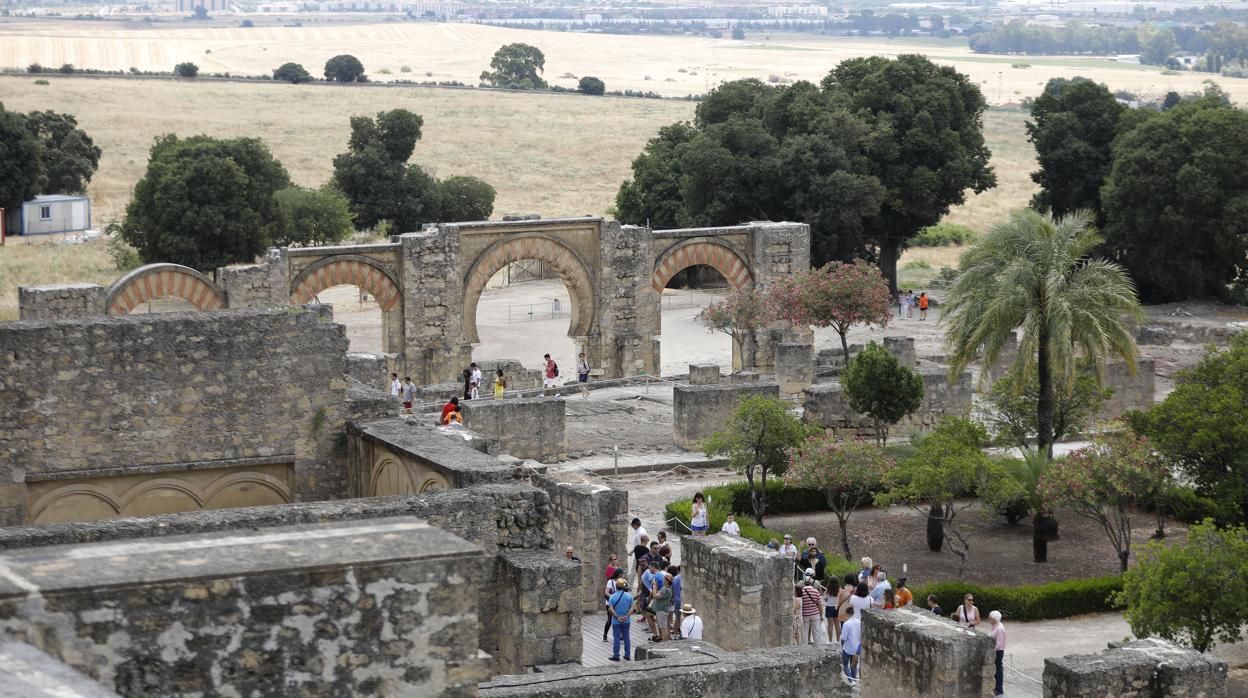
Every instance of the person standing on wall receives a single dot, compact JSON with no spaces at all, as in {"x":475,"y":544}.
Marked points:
{"x":550,"y":371}
{"x":409,"y":394}
{"x":475,"y":380}
{"x":998,"y":635}
{"x":620,"y":607}
{"x":582,"y":375}
{"x":396,"y":388}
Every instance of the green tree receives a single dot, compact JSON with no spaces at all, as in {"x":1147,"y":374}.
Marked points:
{"x":1192,"y":592}
{"x":1034,"y":272}
{"x":847,"y":472}
{"x":947,"y":465}
{"x":837,"y":296}
{"x":465,"y":199}
{"x":22,"y":171}
{"x":345,"y":68}
{"x":186,"y":70}
{"x":1073,"y":125}
{"x":205,"y":202}
{"x":1009,"y":408}
{"x":1176,"y":198}
{"x":756,"y":440}
{"x":1200,"y":425}
{"x":739,"y":316}
{"x":69,"y":156}
{"x":591,"y":86}
{"x":1105,"y":483}
{"x":375,"y":177}
{"x":311,"y":217}
{"x":930,"y":147}
{"x":518,"y":66}
{"x":877,"y":385}
{"x":756,"y":152}
{"x":293,"y":73}
{"x":1156,"y":45}
{"x":738,"y":33}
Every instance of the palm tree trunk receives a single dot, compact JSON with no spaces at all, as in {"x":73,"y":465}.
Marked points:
{"x":1044,"y":404}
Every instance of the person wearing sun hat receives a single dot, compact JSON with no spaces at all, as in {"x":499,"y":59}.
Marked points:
{"x":691,"y":623}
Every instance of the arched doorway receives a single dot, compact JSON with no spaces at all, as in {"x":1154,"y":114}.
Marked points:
{"x":553,"y":313}
{"x":163,"y":287}
{"x":687,"y":277}
{"x":361,"y":289}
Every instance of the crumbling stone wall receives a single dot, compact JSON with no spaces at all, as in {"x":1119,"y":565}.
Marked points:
{"x":524,"y":427}
{"x":700,"y":410}
{"x":25,"y":672}
{"x":396,"y":456}
{"x":1130,"y":391}
{"x":60,"y":301}
{"x":592,"y":519}
{"x":369,"y":608}
{"x":370,"y":370}
{"x":102,"y":396}
{"x":539,"y":609}
{"x":825,"y":405}
{"x":742,"y":590}
{"x":795,"y":366}
{"x":1148,"y":668}
{"x":911,"y":652}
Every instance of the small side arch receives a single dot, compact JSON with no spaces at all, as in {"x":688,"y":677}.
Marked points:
{"x":561,"y":258}
{"x":357,"y":270}
{"x":162,"y":281}
{"x":713,"y":253}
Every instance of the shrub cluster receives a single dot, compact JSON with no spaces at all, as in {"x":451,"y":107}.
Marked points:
{"x":1063,"y":599}
{"x":944,"y":235}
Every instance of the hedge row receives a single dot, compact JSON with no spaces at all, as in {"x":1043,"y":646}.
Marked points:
{"x":1033,"y":602}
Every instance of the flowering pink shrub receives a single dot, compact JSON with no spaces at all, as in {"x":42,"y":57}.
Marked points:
{"x":839,"y":295}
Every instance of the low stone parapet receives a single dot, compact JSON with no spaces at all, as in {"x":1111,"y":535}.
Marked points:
{"x":1148,"y":668}
{"x":524,"y":427}
{"x":700,"y":410}
{"x":826,"y":405}
{"x":60,"y":301}
{"x":911,"y":652}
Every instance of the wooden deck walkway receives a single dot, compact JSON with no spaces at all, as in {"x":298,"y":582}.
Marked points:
{"x":594,"y":651}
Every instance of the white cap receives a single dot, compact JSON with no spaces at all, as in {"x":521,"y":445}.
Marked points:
{"x":995,"y":615}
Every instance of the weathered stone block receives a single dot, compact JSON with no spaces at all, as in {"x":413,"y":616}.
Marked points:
{"x":524,"y":427}
{"x":60,"y":301}
{"x":700,"y":410}
{"x":703,"y":374}
{"x":539,"y":609}
{"x":825,"y":405}
{"x":742,"y":590}
{"x":1148,"y":668}
{"x":911,"y":652}
{"x":593,"y":520}
{"x":903,"y":349}
{"x":795,"y":366}
{"x":25,"y":672}
{"x":1131,"y":391}
{"x":369,"y":369}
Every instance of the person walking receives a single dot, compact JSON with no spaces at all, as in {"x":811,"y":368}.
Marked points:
{"x":851,"y":645}
{"x":550,"y":371}
{"x":661,"y":606}
{"x":613,"y":586}
{"x":582,"y":375}
{"x":409,"y":394}
{"x":396,"y":388}
{"x":690,"y":624}
{"x":998,"y":635}
{"x":967,"y":614}
{"x":475,"y":380}
{"x":698,"y":521}
{"x":500,"y":384}
{"x":620,"y":607}
{"x":812,"y":613}
{"x":923,"y":305}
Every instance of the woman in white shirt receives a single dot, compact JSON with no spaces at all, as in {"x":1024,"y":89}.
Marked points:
{"x":698,"y":522}
{"x":861,"y":600}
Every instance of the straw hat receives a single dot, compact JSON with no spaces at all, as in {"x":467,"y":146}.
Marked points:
{"x":687,"y":609}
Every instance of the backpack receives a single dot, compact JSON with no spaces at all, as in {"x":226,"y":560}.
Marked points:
{"x":555,"y":368}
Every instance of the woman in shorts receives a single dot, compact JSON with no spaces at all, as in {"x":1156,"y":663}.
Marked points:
{"x":699,"y":521}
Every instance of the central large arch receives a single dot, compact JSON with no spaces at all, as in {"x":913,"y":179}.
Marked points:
{"x":362,"y":272}
{"x":561,"y":258}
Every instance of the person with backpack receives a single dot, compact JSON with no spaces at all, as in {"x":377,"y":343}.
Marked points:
{"x":551,"y":372}
{"x":582,"y":375}
{"x":613,"y":586}
{"x":620,"y":608}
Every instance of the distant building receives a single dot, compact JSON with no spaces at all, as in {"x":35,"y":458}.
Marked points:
{"x":188,"y":6}
{"x":283,"y":8}
{"x":797,"y":11}
{"x":45,"y":215}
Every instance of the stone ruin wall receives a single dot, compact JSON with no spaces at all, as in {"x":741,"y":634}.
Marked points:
{"x":85,"y":400}
{"x":592,"y":519}
{"x":743,"y":591}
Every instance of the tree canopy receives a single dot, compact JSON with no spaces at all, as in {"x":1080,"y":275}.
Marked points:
{"x":345,"y":68}
{"x":1201,"y":426}
{"x":22,"y":173}
{"x":756,"y":440}
{"x":1176,"y":199}
{"x":292,"y":72}
{"x":1190,"y":592}
{"x":380,"y":184}
{"x":846,"y":471}
{"x":831,"y":156}
{"x":43,"y":152}
{"x":738,"y":315}
{"x":878,"y":386}
{"x":205,"y":202}
{"x":838,"y":295}
{"x":1073,"y":124}
{"x":311,"y":217}
{"x":591,"y":85}
{"x":186,"y":70}
{"x":518,"y":66}
{"x":1035,"y":272}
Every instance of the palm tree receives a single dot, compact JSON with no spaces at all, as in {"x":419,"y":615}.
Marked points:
{"x":1035,"y":272}
{"x":1027,"y":473}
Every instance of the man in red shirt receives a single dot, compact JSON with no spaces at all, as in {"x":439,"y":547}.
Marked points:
{"x":551,"y":371}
